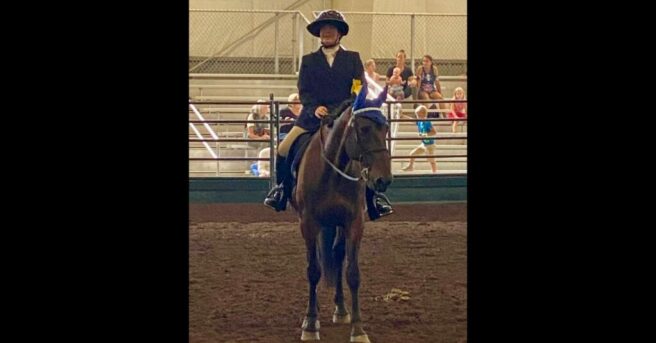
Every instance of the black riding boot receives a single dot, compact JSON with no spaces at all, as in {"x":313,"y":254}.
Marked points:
{"x":378,"y":205}
{"x":275,"y":199}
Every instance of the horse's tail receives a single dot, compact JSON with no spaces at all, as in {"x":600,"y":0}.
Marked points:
{"x":331,"y":249}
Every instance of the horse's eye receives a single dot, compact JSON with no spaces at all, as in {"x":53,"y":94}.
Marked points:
{"x":365,"y":130}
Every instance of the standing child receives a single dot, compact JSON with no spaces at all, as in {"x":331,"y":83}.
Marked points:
{"x":425,"y":128}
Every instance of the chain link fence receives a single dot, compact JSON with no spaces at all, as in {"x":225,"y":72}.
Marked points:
{"x":271,"y":42}
{"x":246,"y":42}
{"x":380,"y":35}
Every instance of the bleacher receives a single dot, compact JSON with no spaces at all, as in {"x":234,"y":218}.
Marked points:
{"x":237,"y":87}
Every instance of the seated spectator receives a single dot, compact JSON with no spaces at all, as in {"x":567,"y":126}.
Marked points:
{"x":263,"y":166}
{"x":396,"y":85}
{"x":370,"y":69}
{"x":429,"y":84}
{"x":372,"y":84}
{"x":406,"y":73}
{"x":289,"y":115}
{"x":258,"y":130}
{"x":427,"y":146}
{"x":254,"y":169}
{"x":458,"y":110}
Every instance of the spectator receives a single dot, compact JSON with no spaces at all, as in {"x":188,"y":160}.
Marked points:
{"x":396,"y":85}
{"x":407,"y":78}
{"x":425,"y":128}
{"x":370,"y":69}
{"x":289,"y":115}
{"x":429,"y":83}
{"x":263,"y":166}
{"x":458,"y":110}
{"x":258,"y":130}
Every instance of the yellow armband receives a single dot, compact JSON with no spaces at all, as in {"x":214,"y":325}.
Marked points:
{"x":356,"y":86}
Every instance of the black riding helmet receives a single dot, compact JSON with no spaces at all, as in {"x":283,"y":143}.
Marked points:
{"x":329,"y":17}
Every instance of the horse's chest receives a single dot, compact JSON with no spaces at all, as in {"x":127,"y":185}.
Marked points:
{"x":336,"y":209}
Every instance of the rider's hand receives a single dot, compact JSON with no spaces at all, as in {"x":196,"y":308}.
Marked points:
{"x":320,"y":112}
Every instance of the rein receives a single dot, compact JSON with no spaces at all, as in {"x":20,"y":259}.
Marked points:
{"x":364,"y":174}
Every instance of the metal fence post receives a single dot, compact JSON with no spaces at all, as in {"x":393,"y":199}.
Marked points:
{"x":389,"y":131}
{"x":412,"y":42}
{"x":272,"y":133}
{"x":300,"y":42}
{"x":294,"y":19}
{"x":275,"y":45}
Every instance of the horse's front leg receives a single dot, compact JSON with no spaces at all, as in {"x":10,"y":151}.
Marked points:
{"x":354,"y":235}
{"x":341,"y":315}
{"x":310,"y":325}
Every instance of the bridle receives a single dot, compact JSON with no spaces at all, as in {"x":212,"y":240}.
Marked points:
{"x":364,"y":174}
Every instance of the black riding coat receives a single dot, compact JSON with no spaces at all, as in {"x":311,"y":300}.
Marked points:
{"x":319,"y":84}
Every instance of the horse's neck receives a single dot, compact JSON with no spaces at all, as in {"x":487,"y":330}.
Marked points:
{"x":336,"y":138}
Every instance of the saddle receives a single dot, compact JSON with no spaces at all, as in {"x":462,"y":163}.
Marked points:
{"x":293,"y":161}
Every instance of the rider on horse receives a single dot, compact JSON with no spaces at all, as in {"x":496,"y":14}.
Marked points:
{"x":326,"y":79}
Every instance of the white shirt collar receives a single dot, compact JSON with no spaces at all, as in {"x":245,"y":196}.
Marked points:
{"x":330,"y":51}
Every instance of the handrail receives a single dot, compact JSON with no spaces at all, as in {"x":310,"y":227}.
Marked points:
{"x":274,"y":122}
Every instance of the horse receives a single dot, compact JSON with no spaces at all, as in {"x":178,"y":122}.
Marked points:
{"x":338,"y":164}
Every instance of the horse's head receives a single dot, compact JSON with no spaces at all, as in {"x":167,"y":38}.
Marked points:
{"x":365,"y":139}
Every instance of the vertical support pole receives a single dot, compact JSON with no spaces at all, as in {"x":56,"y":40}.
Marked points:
{"x":301,"y":43}
{"x":412,"y":42}
{"x":389,"y":131}
{"x":273,"y":133}
{"x":275,"y":46}
{"x":294,"y":38}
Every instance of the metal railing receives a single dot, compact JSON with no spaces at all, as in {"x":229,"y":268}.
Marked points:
{"x":274,"y":129}
{"x":273,"y":122}
{"x":391,"y":119}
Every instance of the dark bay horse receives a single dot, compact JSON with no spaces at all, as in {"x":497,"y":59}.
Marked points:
{"x":329,"y":197}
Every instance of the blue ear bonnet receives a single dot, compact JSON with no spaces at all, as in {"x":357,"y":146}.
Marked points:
{"x":363,"y":107}
{"x":372,"y":113}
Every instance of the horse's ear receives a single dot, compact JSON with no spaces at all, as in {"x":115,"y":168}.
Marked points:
{"x":381,"y":97}
{"x":362,"y":96}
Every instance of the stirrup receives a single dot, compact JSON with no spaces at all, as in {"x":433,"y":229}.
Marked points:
{"x":275,"y":199}
{"x":273,"y":191}
{"x":382,"y":196}
{"x":383,"y":205}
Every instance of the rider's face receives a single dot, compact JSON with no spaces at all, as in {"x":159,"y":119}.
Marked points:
{"x":329,"y":35}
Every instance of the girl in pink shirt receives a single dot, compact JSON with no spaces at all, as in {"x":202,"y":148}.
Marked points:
{"x":458,"y":109}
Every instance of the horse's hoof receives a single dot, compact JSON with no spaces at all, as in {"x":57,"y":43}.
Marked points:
{"x":360,"y":339}
{"x":310,"y":336}
{"x":345,"y":319}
